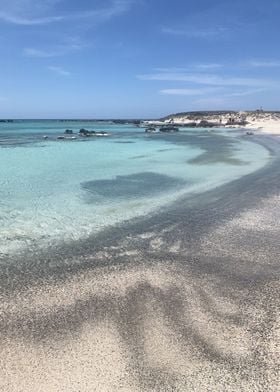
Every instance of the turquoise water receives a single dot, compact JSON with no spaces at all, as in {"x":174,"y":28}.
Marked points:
{"x":56,"y":191}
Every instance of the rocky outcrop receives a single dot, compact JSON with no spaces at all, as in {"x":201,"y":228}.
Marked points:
{"x":169,"y":129}
{"x":208,"y":124}
{"x":85,"y":132}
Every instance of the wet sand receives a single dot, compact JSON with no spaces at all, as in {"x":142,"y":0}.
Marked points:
{"x":184,"y":300}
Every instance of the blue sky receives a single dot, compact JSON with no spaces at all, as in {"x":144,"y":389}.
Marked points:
{"x":137,"y":58}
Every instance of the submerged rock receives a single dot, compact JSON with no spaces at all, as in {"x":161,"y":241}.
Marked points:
{"x":86,"y":132}
{"x":151,"y":130}
{"x":169,"y":128}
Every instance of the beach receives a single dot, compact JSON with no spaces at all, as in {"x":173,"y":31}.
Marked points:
{"x":185,"y":299}
{"x":267,"y":122}
{"x":139,"y":196}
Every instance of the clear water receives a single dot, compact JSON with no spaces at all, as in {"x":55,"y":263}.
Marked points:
{"x":54,"y":191}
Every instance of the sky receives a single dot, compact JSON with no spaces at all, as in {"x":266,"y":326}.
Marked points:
{"x":137,"y":58}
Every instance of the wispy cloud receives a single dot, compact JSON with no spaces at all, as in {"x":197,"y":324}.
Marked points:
{"x":246,"y":92}
{"x":263,"y":64}
{"x":208,"y":79}
{"x":208,"y":66}
{"x":24,"y":13}
{"x":196,"y":33}
{"x":58,"y":50}
{"x":117,"y":8}
{"x":31,"y":52}
{"x":19,"y":20}
{"x":59,"y":71}
{"x":28,"y":12}
{"x":223,"y":86}
{"x":191,"y":68}
{"x":222,"y":91}
{"x":189,"y":91}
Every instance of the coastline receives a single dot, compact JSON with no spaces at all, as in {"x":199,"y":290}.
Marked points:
{"x":173,"y":160}
{"x":183,"y":299}
{"x":266,"y":127}
{"x":259,"y":120}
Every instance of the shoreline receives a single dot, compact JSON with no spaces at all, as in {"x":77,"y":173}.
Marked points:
{"x":99,"y":241}
{"x":184,"y":300}
{"x":266,"y":141}
{"x":259,"y":120}
{"x":237,"y":163}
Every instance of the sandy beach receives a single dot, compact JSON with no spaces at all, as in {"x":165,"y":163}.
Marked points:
{"x":258,"y":121}
{"x":268,"y":126}
{"x":139,"y":196}
{"x":187,"y":300}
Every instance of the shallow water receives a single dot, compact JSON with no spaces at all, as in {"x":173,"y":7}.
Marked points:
{"x":54,"y":191}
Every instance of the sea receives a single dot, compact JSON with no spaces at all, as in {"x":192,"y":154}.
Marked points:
{"x":55,"y":191}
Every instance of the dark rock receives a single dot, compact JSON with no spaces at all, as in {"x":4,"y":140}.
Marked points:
{"x":151,"y":130}
{"x":207,"y":124}
{"x":169,"y":128}
{"x":190,"y":125}
{"x":85,"y":132}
